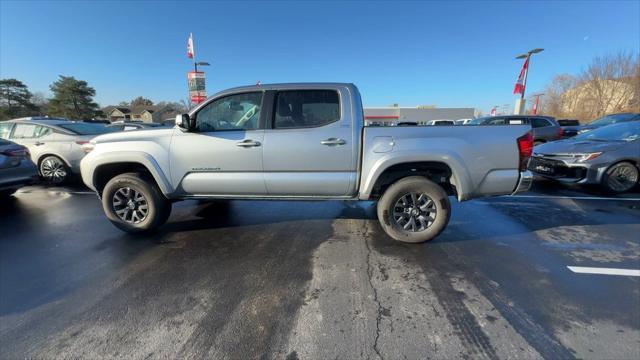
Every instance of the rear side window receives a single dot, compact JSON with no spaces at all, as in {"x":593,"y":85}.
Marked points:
{"x":497,"y":121}
{"x":306,"y":108}
{"x":540,"y":122}
{"x":24,"y":131}
{"x":5,"y":130}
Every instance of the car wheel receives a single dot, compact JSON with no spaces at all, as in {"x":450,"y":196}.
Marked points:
{"x":134,"y":204}
{"x":414,"y":210}
{"x":53,"y":170}
{"x":620,"y":177}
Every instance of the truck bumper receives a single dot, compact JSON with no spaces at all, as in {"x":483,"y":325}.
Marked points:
{"x":526,"y":179}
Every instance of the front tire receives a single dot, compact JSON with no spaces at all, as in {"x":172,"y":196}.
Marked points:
{"x":620,"y":177}
{"x":134,"y":204}
{"x":414,"y":210}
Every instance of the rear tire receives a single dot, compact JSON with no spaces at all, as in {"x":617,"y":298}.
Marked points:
{"x":134,"y":204}
{"x":414,"y":210}
{"x":53,"y":170}
{"x":620,"y":177}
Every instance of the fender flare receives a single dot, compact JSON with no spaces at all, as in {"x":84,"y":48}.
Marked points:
{"x":139,"y":157}
{"x":459,"y":176}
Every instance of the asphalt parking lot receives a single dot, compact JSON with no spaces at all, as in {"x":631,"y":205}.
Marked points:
{"x":312,"y":280}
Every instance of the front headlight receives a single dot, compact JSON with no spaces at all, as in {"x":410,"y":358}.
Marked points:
{"x":583,"y":131}
{"x":589,"y":156}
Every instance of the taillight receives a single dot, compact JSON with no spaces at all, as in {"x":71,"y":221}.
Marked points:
{"x":525,"y":149}
{"x":560,"y":132}
{"x":16,"y":152}
{"x":82,"y":142}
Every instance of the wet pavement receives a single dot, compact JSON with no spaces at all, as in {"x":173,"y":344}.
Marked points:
{"x":311,"y":280}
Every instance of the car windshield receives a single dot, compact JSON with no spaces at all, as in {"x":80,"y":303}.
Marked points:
{"x":628,"y":131}
{"x":86,"y":128}
{"x":612,"y":119}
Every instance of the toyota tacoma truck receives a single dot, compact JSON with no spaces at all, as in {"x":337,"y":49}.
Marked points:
{"x":304,"y":142}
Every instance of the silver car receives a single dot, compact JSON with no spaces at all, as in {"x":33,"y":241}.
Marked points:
{"x":609,"y":156}
{"x":16,"y":168}
{"x":55,"y":144}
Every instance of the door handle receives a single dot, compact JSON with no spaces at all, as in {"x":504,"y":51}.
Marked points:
{"x":248,"y":143}
{"x":333,"y":142}
{"x":38,"y":143}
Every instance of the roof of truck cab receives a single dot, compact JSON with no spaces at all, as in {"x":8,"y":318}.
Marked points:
{"x":302,"y":85}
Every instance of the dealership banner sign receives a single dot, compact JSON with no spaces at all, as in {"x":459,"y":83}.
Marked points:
{"x":197,"y":92}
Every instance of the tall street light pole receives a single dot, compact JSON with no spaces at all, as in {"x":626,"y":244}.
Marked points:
{"x":201,"y":63}
{"x":520,"y":104}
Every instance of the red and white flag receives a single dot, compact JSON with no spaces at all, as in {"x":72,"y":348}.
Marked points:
{"x":190,"y":51}
{"x":493,"y":112}
{"x":519,"y":88}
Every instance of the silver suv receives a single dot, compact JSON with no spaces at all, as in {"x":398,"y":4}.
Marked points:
{"x":54,"y":144}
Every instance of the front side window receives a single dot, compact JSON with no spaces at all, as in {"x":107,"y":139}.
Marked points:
{"x":306,"y":108}
{"x":234,"y":112}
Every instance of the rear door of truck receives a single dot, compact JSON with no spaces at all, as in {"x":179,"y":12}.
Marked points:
{"x":309,"y":145}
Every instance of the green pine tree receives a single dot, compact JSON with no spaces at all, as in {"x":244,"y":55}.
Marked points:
{"x":73,"y":99}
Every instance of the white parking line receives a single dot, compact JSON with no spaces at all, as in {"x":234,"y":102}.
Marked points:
{"x":604,"y":271}
{"x":575,"y":197}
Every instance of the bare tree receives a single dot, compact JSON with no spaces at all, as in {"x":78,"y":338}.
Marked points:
{"x":607,"y":85}
{"x":610,"y":84}
{"x":555,"y":101}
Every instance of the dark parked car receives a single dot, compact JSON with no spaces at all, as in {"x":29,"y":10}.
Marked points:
{"x":16,"y":167}
{"x":568,"y":122}
{"x":569,"y":127}
{"x":600,"y":122}
{"x":545,"y":128}
{"x":608,"y":156}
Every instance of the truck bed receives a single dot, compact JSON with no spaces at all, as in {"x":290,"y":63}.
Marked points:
{"x":483,"y":159}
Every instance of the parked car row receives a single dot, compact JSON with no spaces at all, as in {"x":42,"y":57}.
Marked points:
{"x":48,"y":147}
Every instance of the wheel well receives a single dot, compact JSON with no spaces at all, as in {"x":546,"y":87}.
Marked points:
{"x":106,"y":172}
{"x":43,"y":156}
{"x":438,"y":172}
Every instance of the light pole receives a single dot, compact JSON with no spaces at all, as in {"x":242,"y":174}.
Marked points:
{"x":201,"y":63}
{"x":520,"y":103}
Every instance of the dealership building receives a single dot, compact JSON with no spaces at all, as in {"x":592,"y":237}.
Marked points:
{"x":386,"y":116}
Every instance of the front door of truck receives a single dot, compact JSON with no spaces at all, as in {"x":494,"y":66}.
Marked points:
{"x":223,"y":154}
{"x":309,"y":149}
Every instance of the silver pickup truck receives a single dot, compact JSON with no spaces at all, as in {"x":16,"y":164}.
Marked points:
{"x":304,"y":142}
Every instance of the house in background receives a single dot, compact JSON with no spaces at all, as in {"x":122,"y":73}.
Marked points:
{"x":143,"y":113}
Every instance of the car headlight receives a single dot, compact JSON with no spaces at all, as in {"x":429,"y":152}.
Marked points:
{"x":587,"y":157}
{"x":583,"y":131}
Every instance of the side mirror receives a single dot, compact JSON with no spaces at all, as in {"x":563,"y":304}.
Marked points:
{"x":184,"y":121}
